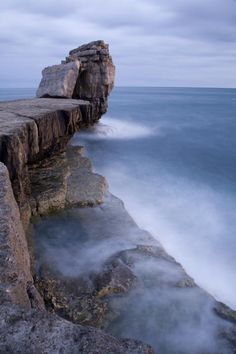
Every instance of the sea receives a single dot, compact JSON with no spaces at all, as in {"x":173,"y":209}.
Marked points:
{"x":170,"y":155}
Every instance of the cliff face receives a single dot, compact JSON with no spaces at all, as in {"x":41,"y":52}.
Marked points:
{"x":32,"y":130}
{"x":15,"y":275}
{"x":97,"y":74}
{"x":25,"y":326}
{"x":88,"y":73}
{"x":44,"y":177}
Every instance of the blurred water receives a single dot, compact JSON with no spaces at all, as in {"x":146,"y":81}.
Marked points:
{"x":8,"y":94}
{"x":170,"y":154}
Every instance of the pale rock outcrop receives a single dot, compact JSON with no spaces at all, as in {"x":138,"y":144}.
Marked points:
{"x":92,"y":78}
{"x":59,"y":80}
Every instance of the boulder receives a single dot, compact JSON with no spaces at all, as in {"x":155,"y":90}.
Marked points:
{"x":59,"y":80}
{"x":87,"y":73}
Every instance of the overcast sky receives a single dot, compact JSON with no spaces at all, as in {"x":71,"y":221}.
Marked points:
{"x":153,"y":42}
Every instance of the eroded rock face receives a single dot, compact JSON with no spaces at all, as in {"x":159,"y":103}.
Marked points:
{"x":88,"y":73}
{"x":97,"y":75}
{"x":15,"y":275}
{"x":25,"y":326}
{"x":32,"y":130}
{"x":65,"y":180}
{"x":59,"y":80}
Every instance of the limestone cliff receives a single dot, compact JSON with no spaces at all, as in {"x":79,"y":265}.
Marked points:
{"x":32,"y":130}
{"x":88,"y":73}
{"x":33,"y":137}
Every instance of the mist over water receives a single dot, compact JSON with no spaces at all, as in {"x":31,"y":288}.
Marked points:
{"x":169,"y":154}
{"x":172,"y":318}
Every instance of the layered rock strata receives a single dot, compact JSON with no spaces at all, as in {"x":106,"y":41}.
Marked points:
{"x":88,"y":73}
{"x":65,"y":180}
{"x":30,"y":131}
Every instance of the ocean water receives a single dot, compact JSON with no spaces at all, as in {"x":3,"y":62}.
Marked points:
{"x":8,"y":94}
{"x":170,"y":155}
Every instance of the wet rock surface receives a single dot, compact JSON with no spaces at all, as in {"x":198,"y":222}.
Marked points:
{"x":65,"y":180}
{"x":25,"y":326}
{"x":123,"y":281}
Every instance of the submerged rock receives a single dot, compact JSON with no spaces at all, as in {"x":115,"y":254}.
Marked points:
{"x":115,"y":278}
{"x":72,"y":298}
{"x":225,"y":312}
{"x":121,"y":279}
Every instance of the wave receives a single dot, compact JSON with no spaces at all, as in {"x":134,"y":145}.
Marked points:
{"x":112,"y":128}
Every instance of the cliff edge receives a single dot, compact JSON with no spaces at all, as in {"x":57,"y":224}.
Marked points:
{"x":87,"y":73}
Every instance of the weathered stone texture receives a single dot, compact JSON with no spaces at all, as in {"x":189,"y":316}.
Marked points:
{"x":59,"y":80}
{"x":35,"y":332}
{"x":97,"y":75}
{"x":87,"y":73}
{"x":25,"y":326}
{"x":65,"y":180}
{"x":15,"y":275}
{"x":32,"y":130}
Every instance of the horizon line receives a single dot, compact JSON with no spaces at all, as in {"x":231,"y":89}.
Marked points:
{"x":141,"y":86}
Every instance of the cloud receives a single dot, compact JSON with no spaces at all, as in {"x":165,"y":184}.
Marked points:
{"x":153,"y":42}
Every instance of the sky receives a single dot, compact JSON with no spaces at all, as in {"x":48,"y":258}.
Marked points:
{"x":153,"y":42}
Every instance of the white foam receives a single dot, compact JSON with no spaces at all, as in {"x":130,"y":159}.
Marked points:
{"x":111,"y":128}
